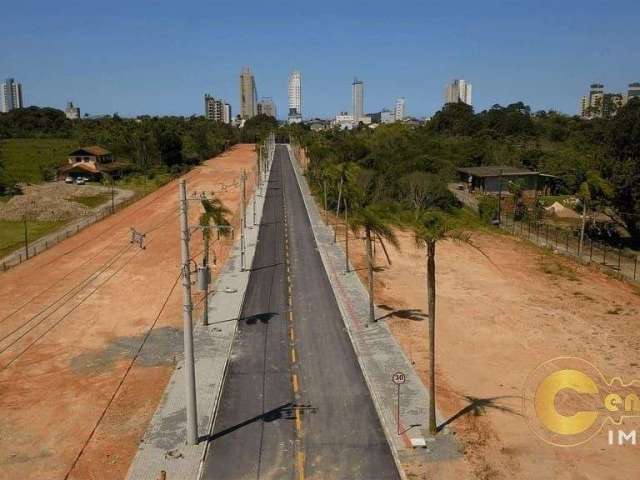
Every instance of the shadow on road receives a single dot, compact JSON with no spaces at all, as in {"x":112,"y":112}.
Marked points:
{"x":258,"y":317}
{"x":255,"y":269}
{"x":284,"y":412}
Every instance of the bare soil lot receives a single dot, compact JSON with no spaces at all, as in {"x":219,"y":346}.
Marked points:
{"x":90,"y":332}
{"x":499,"y":316}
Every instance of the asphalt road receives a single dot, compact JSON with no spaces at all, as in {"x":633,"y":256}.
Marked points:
{"x":295,"y":404}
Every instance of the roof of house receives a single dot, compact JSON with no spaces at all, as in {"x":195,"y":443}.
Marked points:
{"x":94,"y":168}
{"x":495,"y":171}
{"x":95,"y":150}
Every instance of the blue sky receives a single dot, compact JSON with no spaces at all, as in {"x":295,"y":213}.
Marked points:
{"x":160,"y":57}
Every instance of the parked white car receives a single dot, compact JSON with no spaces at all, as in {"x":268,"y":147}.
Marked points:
{"x":80,"y":181}
{"x":69,"y":179}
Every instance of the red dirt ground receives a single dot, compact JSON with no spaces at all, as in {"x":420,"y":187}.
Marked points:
{"x":68,"y":405}
{"x":499,"y":317}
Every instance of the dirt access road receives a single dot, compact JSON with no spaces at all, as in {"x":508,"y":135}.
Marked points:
{"x":499,"y":317}
{"x":90,"y":332}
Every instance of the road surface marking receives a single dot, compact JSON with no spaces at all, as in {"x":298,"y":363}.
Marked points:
{"x":295,"y":383}
{"x":300,"y":465}
{"x":293,"y":355}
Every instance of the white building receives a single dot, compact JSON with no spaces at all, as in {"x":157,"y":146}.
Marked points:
{"x":458,"y":91}
{"x":388,"y":117}
{"x":357,"y":100}
{"x":399,"y":110}
{"x":71,"y":112}
{"x":344,"y":120}
{"x":10,"y":95}
{"x":295,"y":97}
{"x":216,"y":109}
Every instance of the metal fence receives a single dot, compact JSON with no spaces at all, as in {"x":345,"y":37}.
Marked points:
{"x":567,"y":242}
{"x":38,"y":246}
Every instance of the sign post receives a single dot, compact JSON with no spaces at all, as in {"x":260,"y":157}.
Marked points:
{"x":398,"y":378}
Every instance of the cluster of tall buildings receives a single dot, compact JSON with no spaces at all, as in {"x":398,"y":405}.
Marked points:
{"x":600,"y":104}
{"x":458,"y":91}
{"x":10,"y":95}
{"x":358,"y":115}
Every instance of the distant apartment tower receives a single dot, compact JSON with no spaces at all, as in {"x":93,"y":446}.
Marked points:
{"x":458,"y":91}
{"x":295,"y":97}
{"x":248,"y":94}
{"x":267,"y":107}
{"x":634,"y":90}
{"x":398,"y":111}
{"x":357,"y":100}
{"x":11,"y":95}
{"x":216,"y":109}
{"x":71,"y":112}
{"x":598,"y":104}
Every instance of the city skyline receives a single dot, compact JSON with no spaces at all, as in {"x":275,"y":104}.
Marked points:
{"x":540,"y":63}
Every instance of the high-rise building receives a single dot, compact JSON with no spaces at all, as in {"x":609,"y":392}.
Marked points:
{"x":226,"y":117}
{"x":71,"y":112}
{"x":216,"y":109}
{"x":634,"y":90}
{"x":357,"y":100}
{"x":10,"y":95}
{"x":458,"y":91}
{"x":267,"y":107}
{"x":598,"y":104}
{"x":398,"y":111}
{"x":295,"y":97}
{"x":248,"y":94}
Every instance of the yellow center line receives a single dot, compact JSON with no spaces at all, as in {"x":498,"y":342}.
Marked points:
{"x":300,"y":465}
{"x":293,"y":355}
{"x":294,"y":379}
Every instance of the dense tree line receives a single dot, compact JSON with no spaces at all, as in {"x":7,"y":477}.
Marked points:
{"x":410,"y":166}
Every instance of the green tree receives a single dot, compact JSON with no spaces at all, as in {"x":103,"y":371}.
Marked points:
{"x":214,"y":217}
{"x":375,"y":221}
{"x":431,"y":227}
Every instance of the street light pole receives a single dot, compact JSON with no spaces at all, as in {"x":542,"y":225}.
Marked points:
{"x":243,"y":222}
{"x":189,"y":362}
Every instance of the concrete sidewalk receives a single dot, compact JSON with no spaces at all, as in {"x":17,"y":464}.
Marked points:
{"x":379,"y":355}
{"x":163,"y":447}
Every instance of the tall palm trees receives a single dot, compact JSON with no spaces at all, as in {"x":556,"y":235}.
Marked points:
{"x":214,"y":217}
{"x":375,"y":221}
{"x":429,"y":228}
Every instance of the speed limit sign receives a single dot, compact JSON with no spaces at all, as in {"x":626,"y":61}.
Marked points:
{"x":399,"y":378}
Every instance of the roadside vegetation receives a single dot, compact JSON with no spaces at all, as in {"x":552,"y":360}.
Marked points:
{"x":12,"y":234}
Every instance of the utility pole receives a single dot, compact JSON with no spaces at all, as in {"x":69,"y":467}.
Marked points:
{"x":206,"y":235}
{"x":243,"y":224}
{"x":346,"y":236}
{"x":584,"y":220}
{"x":244,"y":199}
{"x":254,"y":210}
{"x":189,"y":363}
{"x":113,"y":204}
{"x":26,"y":237}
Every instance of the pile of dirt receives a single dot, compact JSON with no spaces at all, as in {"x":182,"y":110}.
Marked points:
{"x":49,"y":202}
{"x":560,"y":211}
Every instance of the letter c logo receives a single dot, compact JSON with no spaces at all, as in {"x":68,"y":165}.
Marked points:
{"x":545,"y":402}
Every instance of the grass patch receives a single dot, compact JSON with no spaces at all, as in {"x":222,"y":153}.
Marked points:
{"x":555,"y":268}
{"x":142,"y":184}
{"x":91,"y":201}
{"x":12,"y":234}
{"x":27,"y":159}
{"x":466,"y":219}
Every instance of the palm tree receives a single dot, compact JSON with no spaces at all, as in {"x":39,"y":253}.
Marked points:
{"x":375,"y":221}
{"x":214,"y":217}
{"x":429,"y":228}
